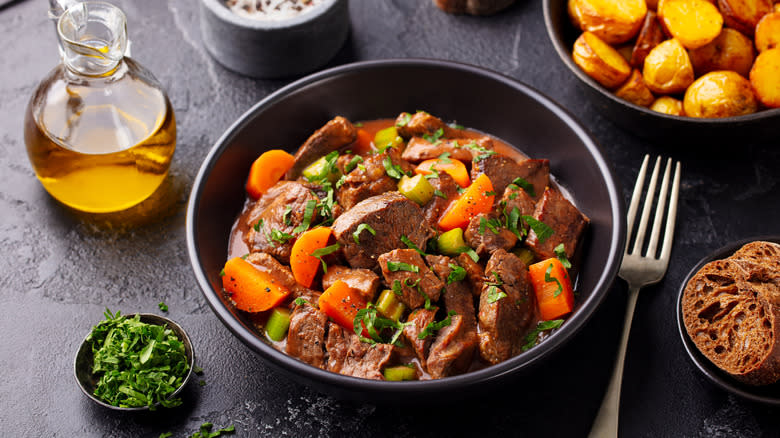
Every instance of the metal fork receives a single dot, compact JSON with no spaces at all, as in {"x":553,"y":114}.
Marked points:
{"x":639,"y":270}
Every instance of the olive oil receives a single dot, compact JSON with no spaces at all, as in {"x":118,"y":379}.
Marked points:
{"x":100,"y":131}
{"x":94,"y":152}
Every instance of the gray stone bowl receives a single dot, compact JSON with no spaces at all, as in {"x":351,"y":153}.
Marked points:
{"x":274,"y":49}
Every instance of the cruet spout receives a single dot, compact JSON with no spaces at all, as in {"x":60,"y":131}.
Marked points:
{"x":93,"y":37}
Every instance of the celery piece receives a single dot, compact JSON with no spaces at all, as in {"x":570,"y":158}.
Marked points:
{"x":386,"y":138}
{"x":417,"y":188}
{"x":389,"y":305}
{"x":451,"y":243}
{"x":525,"y":255}
{"x":323,"y":169}
{"x":400,"y":372}
{"x":278,"y":323}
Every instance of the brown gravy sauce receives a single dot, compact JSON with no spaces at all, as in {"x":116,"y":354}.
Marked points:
{"x":237,"y":247}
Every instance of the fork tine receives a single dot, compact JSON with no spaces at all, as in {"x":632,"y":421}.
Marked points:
{"x":658,"y":219}
{"x":640,"y":232}
{"x":671,"y":217}
{"x":636,"y":196}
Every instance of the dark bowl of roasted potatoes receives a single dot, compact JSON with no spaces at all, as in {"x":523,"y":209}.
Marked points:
{"x":675,"y":69}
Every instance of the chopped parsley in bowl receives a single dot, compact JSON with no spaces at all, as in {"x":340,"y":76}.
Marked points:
{"x":134,"y":362}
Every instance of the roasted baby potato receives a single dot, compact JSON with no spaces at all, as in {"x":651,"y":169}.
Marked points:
{"x":719,"y":94}
{"x":651,"y":35}
{"x":744,"y":15}
{"x":765,"y":77}
{"x":600,"y":61}
{"x":635,"y":90}
{"x":668,"y":105}
{"x":729,"y":51}
{"x":668,"y":68}
{"x":614,"y":21}
{"x":768,"y":31}
{"x":692,"y":22}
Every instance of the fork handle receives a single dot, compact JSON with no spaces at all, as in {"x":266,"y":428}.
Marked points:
{"x":606,"y":423}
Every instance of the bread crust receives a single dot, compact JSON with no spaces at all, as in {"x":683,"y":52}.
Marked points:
{"x":731,"y":311}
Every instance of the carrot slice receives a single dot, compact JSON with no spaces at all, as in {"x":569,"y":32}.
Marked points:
{"x":267,"y":170}
{"x":363,"y":143}
{"x":478,"y":198}
{"x":552,"y":287}
{"x":341,"y":303}
{"x":455,"y":168}
{"x":304,"y":266}
{"x":251,"y":289}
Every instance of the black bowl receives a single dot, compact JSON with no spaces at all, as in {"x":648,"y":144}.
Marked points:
{"x":378,"y":89}
{"x":769,"y":394}
{"x":643,"y":121}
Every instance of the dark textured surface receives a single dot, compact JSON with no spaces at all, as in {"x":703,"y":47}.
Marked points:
{"x":58,"y":272}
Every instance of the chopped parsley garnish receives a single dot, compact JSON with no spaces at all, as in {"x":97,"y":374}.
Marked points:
{"x":352,"y":163}
{"x":434,"y":173}
{"x":512,"y":220}
{"x":361,"y":167}
{"x":542,"y":230}
{"x":392,"y":170}
{"x":460,"y":190}
{"x":397,"y":288}
{"x":489,"y":193}
{"x":528,"y":187}
{"x":321,"y":252}
{"x":435,"y":137}
{"x":403,"y":120}
{"x":560,"y":252}
{"x":341,"y":181}
{"x":445,"y":158}
{"x":409,"y":244}
{"x":205,"y":431}
{"x":307,"y":215}
{"x":550,"y":279}
{"x":300,"y":301}
{"x":439,"y":193}
{"x":422,"y":292}
{"x":494,"y":293}
{"x":162,"y":306}
{"x":280,"y":236}
{"x":368,"y":321}
{"x":360,"y":228}
{"x":401,"y":266}
{"x":532,"y":338}
{"x":258,"y":225}
{"x":471,"y":253}
{"x":456,"y":274}
{"x":492,"y":224}
{"x":222,"y":272}
{"x":436,"y":326}
{"x":286,"y":215}
{"x":357,"y":125}
{"x":483,"y":153}
{"x":327,"y":169}
{"x":138,"y":364}
{"x":454,"y":125}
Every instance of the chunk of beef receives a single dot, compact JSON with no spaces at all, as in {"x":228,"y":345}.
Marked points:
{"x":289,"y":194}
{"x":347,"y":355}
{"x":283,"y":275}
{"x":306,"y":336}
{"x":504,"y":320}
{"x":372,"y":179}
{"x":364,"y":281}
{"x":516,"y":197}
{"x":453,"y":350}
{"x":502,"y":170}
{"x":419,"y":319}
{"x":336,"y":134}
{"x":422,"y":123}
{"x":419,"y":149}
{"x":390,"y":215}
{"x":474,"y":273}
{"x":407,"y":267}
{"x":566,"y":221}
{"x":457,"y":294}
{"x":487,"y":238}
{"x":436,"y":206}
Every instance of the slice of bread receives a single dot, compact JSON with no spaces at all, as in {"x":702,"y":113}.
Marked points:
{"x":731,"y":310}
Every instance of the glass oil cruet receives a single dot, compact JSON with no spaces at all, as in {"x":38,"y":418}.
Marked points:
{"x":99,"y":129}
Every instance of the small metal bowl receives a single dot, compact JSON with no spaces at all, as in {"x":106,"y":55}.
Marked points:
{"x":82,"y":366}
{"x":274,"y":48}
